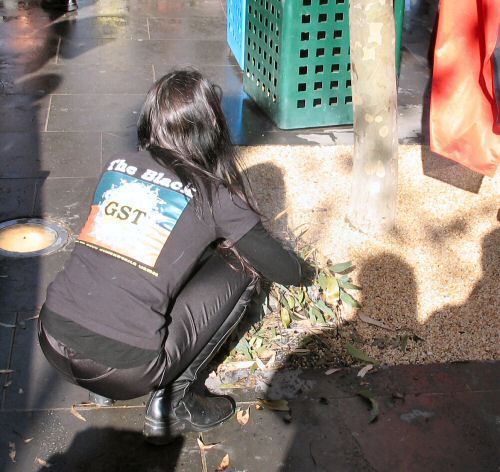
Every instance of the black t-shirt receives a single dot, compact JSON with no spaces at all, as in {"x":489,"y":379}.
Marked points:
{"x":140,"y":243}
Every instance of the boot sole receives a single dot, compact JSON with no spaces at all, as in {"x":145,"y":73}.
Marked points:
{"x":159,"y":433}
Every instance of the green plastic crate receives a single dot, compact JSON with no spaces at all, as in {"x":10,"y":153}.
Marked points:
{"x":297,"y":60}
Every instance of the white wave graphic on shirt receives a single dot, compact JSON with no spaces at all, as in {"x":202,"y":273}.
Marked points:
{"x":141,"y":235}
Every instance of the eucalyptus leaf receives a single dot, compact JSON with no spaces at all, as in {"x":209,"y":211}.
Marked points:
{"x":244,"y":347}
{"x":301,"y":297}
{"x":277,"y":405}
{"x":320,"y":318}
{"x":359,"y":354}
{"x":284,"y":303}
{"x":322,"y":279}
{"x":316,"y":316}
{"x":325,"y":308}
{"x":349,"y":285}
{"x":342,"y":267}
{"x":291,"y":302}
{"x":332,"y":292}
{"x":374,"y":410}
{"x":285,"y":317}
{"x":346,"y":298}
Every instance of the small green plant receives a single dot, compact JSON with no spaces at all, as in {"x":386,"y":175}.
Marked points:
{"x":317,"y":304}
{"x":321,"y":300}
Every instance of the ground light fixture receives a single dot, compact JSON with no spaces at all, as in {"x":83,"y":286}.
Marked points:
{"x":29,"y":237}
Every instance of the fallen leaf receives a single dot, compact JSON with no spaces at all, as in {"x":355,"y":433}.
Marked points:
{"x":371,"y":321}
{"x":347,"y":298}
{"x":403,"y":342}
{"x":276,"y":405}
{"x":280,"y":214}
{"x":359,"y":354}
{"x":226,"y":386}
{"x":203,"y":456}
{"x":342,"y":267}
{"x":238,"y":365}
{"x":6,"y":371}
{"x":398,"y":396}
{"x":285,"y":317}
{"x":12,"y":451}
{"x":42,"y":462}
{"x":365,"y":370}
{"x":271,"y":360}
{"x":351,"y":286}
{"x":374,"y":411}
{"x":332,"y":292}
{"x":243,"y":416}
{"x":75,"y":413}
{"x":332,"y":371}
{"x":203,"y":446}
{"x":224,"y":464}
{"x":259,"y":363}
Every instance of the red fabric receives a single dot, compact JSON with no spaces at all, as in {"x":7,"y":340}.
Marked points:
{"x":463,"y":106}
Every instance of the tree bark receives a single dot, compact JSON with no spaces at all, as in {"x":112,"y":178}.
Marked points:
{"x":375,"y":165}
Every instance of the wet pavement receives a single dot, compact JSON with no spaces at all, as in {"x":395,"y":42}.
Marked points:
{"x":71,"y":87}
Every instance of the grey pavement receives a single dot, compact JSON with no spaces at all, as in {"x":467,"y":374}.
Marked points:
{"x":70,"y":91}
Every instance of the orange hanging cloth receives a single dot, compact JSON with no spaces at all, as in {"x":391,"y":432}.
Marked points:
{"x":464,"y":110}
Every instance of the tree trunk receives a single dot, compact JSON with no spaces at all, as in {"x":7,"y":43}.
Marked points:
{"x":375,"y":165}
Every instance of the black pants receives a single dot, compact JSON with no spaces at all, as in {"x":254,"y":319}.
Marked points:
{"x":205,"y":312}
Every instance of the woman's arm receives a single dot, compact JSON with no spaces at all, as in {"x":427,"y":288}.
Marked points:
{"x":269,"y":257}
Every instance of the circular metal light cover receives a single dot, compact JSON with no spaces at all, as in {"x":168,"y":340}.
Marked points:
{"x":28,"y":237}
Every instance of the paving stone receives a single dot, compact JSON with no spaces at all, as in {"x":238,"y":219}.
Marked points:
{"x":7,"y":320}
{"x":90,"y":112}
{"x":192,"y":27}
{"x":17,"y":197}
{"x":181,"y":51}
{"x":35,"y":383}
{"x":40,"y":83}
{"x":67,"y":200}
{"x":428,"y":432}
{"x":177,"y":8}
{"x":109,"y":440}
{"x":115,"y":143}
{"x":32,"y":53}
{"x":30,"y":23}
{"x":73,"y":78}
{"x":100,"y":26}
{"x":80,"y":51}
{"x":24,"y":286}
{"x":52,"y":154}
{"x":23,"y":113}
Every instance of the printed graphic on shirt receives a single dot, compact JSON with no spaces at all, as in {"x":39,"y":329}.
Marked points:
{"x":132,"y":219}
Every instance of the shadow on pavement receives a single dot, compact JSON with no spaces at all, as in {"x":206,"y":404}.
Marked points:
{"x":112,"y":450}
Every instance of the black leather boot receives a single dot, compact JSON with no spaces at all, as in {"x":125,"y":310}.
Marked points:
{"x":168,"y":416}
{"x":59,"y":5}
{"x":186,"y":405}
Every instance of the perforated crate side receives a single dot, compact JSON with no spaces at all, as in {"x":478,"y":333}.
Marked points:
{"x":236,"y":19}
{"x":263,"y":33}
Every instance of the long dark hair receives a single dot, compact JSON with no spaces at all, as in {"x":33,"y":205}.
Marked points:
{"x":183,"y":127}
